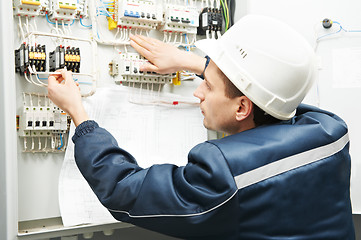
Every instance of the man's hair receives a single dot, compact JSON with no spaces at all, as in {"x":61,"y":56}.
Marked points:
{"x":260,"y":117}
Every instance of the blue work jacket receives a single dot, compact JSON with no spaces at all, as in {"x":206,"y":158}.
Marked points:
{"x":289,"y":180}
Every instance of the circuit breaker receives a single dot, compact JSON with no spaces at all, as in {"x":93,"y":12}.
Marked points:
{"x":28,"y":8}
{"x":63,"y":10}
{"x":180,"y":18}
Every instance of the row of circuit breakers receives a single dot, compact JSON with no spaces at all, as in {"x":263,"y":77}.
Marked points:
{"x":57,"y":10}
{"x":174,"y":18}
{"x":35,"y":57}
{"x":144,"y":14}
{"x":42,"y":125}
{"x":126,"y":69}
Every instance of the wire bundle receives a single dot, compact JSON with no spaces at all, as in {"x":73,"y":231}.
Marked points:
{"x":228,"y":12}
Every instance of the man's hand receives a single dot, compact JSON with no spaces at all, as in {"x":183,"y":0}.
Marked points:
{"x":165,"y":58}
{"x":65,"y":94}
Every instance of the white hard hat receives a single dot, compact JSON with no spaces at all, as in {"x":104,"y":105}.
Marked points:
{"x":267,"y":61}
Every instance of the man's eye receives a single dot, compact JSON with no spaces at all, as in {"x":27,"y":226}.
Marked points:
{"x":208,"y":86}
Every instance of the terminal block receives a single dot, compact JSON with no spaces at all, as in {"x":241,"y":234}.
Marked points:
{"x":211,"y":20}
{"x":180,"y":18}
{"x":126,"y":69}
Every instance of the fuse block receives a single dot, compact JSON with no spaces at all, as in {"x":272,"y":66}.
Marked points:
{"x":211,"y":20}
{"x":126,"y":68}
{"x":45,"y":123}
{"x":178,"y":18}
{"x":28,"y":8}
{"x":143,"y":14}
{"x":42,"y":118}
{"x":63,"y":10}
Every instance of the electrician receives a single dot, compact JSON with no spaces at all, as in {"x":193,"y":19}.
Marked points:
{"x":282,"y":173}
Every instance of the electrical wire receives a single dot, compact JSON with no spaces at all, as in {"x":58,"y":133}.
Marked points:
{"x":232,"y":7}
{"x":81,"y":22}
{"x":61,"y":141}
{"x":186,"y":46}
{"x":225,"y":15}
{"x":56,"y":23}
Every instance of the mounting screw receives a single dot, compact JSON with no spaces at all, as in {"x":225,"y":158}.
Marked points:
{"x":326,"y":23}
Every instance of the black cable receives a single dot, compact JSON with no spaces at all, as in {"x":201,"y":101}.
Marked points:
{"x":232,"y":6}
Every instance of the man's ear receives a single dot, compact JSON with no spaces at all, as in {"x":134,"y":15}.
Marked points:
{"x":245,"y":108}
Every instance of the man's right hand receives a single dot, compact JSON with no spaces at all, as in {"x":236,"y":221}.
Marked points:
{"x":65,"y":94}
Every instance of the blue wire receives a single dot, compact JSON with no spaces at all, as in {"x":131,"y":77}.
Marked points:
{"x":41,"y":78}
{"x":341,"y":28}
{"x":66,"y":24}
{"x":329,"y":34}
{"x":85,"y":83}
{"x":185,"y":36}
{"x":81,"y":22}
{"x":61,"y":140}
{"x":104,"y":14}
{"x":47,"y":19}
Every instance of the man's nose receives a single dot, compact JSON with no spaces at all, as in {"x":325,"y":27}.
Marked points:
{"x":198,"y":93}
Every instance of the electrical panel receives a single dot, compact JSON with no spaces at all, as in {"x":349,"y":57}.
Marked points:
{"x":177,"y":23}
{"x":90,"y":38}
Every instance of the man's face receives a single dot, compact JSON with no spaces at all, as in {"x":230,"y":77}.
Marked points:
{"x":219,"y":111}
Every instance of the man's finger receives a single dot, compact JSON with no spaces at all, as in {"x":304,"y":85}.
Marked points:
{"x":148,"y":67}
{"x":141,"y":50}
{"x":151,"y":41}
{"x":68,"y":77}
{"x":52,"y":80}
{"x":145,"y":43}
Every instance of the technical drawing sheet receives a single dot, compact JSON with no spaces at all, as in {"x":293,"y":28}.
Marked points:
{"x":153,"y":132}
